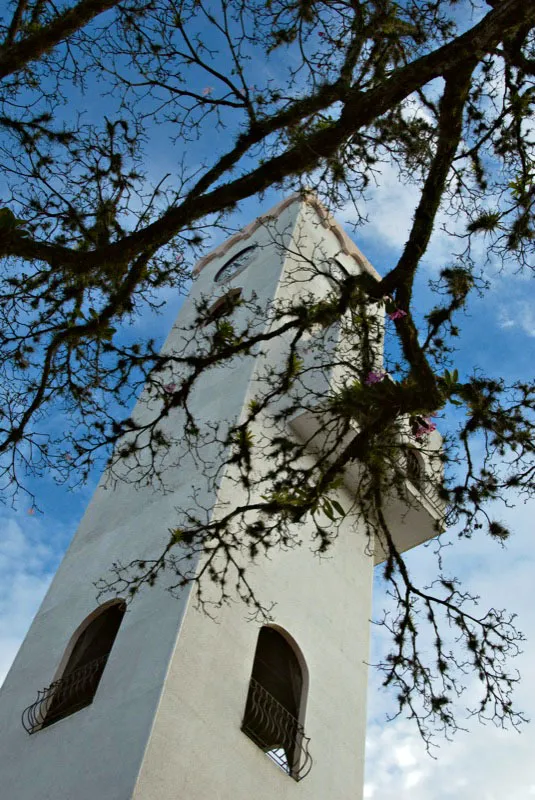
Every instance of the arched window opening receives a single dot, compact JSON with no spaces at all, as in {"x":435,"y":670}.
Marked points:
{"x":272,"y":716}
{"x":77,"y":686}
{"x":236,"y":264}
{"x":223,"y":306}
{"x":414,"y":468}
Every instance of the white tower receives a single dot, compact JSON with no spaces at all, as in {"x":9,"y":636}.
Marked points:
{"x":163,"y":702}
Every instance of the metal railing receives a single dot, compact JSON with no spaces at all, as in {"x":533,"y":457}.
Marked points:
{"x":408,"y":466}
{"x":276,"y":731}
{"x":428,"y":489}
{"x":65,"y":696}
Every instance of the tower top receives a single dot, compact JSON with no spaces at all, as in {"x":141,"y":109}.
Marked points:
{"x":325,"y":218}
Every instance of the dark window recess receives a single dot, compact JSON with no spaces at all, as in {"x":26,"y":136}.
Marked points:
{"x":236,"y":264}
{"x":222,"y":307}
{"x":414,"y":469}
{"x":274,"y":699}
{"x":77,"y":686}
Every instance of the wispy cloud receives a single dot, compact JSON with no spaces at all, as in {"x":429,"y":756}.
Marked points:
{"x":518,"y":314}
{"x":485,"y":762}
{"x":27,"y":564}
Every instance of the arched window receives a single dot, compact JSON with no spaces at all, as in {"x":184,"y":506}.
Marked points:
{"x":275,"y":703}
{"x":223,"y":306}
{"x":90,"y":648}
{"x":414,"y":468}
{"x":236,"y":264}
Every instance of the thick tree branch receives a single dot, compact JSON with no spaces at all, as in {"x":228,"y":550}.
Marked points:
{"x":15,"y":22}
{"x":16,"y":56}
{"x":401,"y":279}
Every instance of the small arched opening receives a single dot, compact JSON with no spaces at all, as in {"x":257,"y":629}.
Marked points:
{"x":222,"y":307}
{"x":85,"y":661}
{"x":274,"y":711}
{"x":415,"y":469}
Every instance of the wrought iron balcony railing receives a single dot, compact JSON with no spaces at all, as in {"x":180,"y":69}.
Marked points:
{"x":276,"y":732}
{"x":65,"y":696}
{"x":409,"y":467}
{"x":428,"y":489}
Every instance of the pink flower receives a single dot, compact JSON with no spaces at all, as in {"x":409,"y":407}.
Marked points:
{"x":425,"y":427}
{"x":31,"y":511}
{"x":169,"y":388}
{"x":397,"y":314}
{"x":207,"y":90}
{"x":374,"y":377}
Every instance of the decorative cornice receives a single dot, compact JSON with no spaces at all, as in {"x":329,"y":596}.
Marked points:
{"x":347,"y":245}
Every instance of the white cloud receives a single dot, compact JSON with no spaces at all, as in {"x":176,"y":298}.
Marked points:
{"x":413,"y":778}
{"x":389,"y":208}
{"x":27,"y":564}
{"x":518,"y":314}
{"x":486,"y":763}
{"x":404,"y":756}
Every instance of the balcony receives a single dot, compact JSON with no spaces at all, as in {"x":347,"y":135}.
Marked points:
{"x":413,"y":510}
{"x":65,"y":696}
{"x":276,"y":732}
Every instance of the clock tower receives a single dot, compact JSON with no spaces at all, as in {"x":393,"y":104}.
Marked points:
{"x":154,"y":699}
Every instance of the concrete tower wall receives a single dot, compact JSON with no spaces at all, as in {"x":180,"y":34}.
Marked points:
{"x":196,"y":743}
{"x":324,"y":604}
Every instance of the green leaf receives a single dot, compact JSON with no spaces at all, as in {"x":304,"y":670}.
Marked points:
{"x":337,"y":507}
{"x":327,"y":510}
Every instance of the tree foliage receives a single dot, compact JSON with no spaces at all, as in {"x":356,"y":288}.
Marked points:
{"x":296,"y":93}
